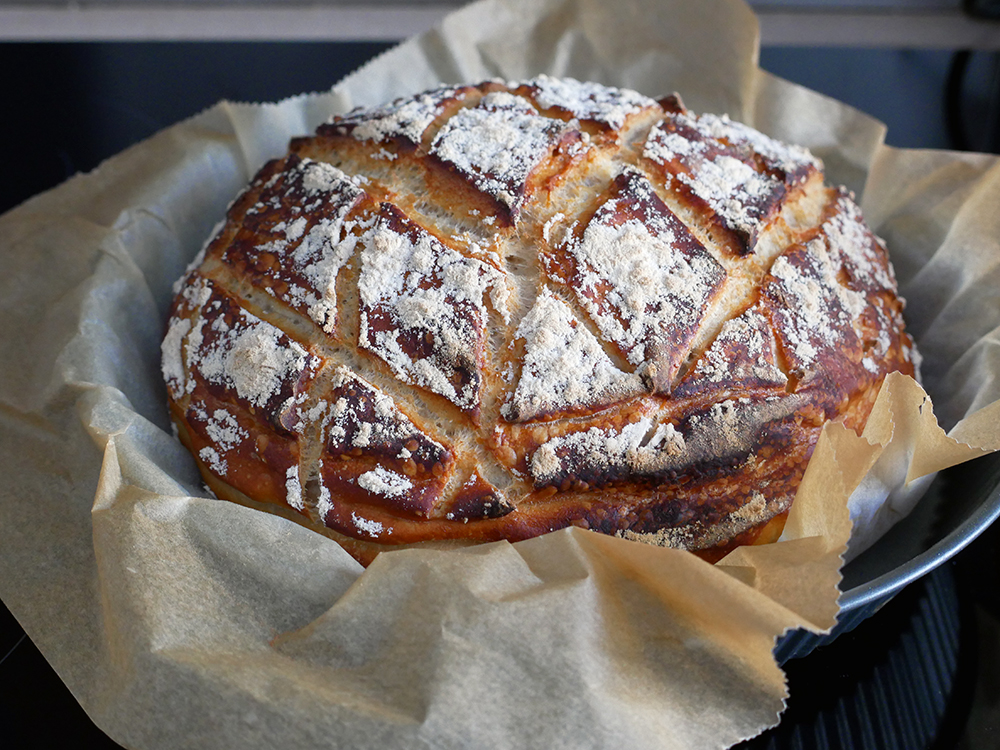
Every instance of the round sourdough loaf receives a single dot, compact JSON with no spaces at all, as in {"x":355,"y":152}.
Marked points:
{"x":490,"y":311}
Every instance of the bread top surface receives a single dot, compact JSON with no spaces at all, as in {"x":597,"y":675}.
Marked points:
{"x":491,"y":311}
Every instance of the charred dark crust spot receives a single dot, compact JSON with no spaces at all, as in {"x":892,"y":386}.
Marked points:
{"x":580,"y":464}
{"x":478,"y":499}
{"x":673,"y":104}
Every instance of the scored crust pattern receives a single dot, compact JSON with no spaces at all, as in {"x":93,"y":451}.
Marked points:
{"x":486,"y":312}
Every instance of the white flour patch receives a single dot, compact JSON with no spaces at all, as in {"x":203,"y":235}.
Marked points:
{"x":381,"y":481}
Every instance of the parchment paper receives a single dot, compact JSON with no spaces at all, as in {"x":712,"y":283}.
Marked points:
{"x":179,"y":621}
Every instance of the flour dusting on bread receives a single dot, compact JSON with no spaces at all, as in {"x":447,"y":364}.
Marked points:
{"x":493,"y":310}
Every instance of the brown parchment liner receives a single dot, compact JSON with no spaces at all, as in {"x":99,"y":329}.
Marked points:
{"x":180,"y":621}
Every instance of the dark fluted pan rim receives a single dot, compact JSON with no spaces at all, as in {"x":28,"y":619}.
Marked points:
{"x":960,"y":504}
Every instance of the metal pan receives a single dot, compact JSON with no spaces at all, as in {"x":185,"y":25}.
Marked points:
{"x":959,"y":505}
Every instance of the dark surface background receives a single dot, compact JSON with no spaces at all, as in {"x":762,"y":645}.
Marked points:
{"x":66,"y":107}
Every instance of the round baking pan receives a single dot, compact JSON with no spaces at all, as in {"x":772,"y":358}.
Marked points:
{"x":959,"y":505}
{"x":904,"y":679}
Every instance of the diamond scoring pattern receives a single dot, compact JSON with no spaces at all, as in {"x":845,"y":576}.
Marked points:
{"x":621,"y":369}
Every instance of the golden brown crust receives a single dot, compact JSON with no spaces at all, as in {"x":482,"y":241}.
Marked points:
{"x":487,"y":312}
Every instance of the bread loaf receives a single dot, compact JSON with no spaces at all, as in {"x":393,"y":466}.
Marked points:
{"x":491,"y":311}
